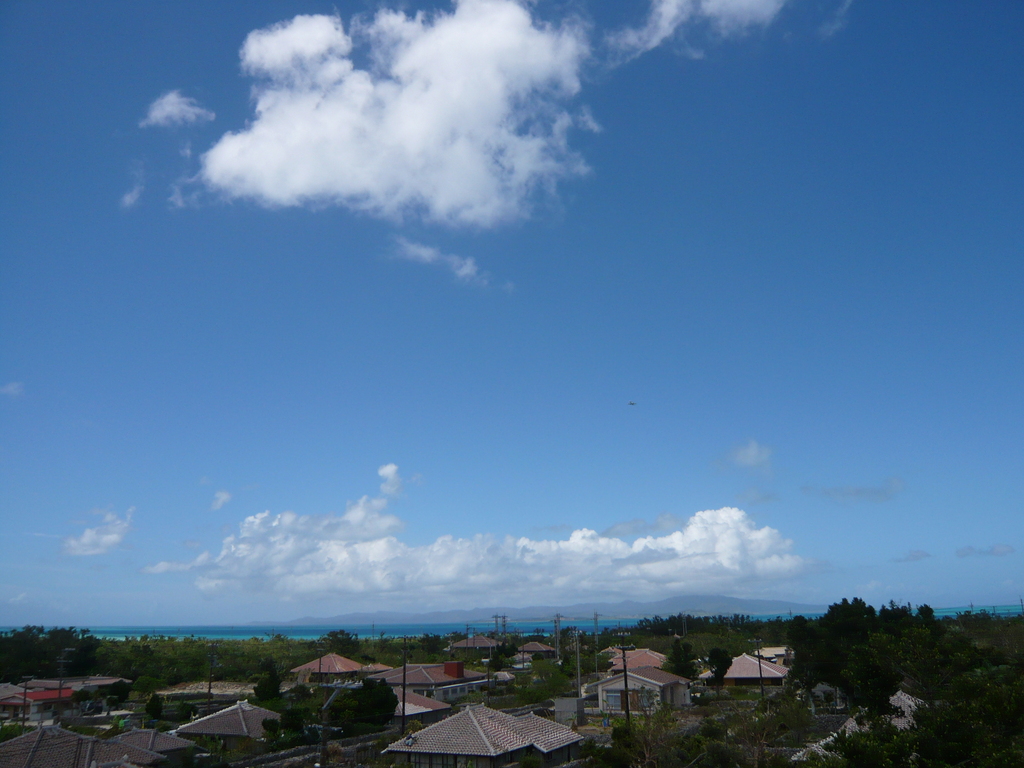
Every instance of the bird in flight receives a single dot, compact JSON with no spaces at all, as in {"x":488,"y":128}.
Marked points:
{"x":631,"y":402}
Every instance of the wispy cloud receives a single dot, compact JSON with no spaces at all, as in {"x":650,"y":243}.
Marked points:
{"x":358,"y":554}
{"x":392,"y":485}
{"x":838,"y":20}
{"x":169,"y":566}
{"x":666,"y":18}
{"x":102,"y":538}
{"x":174,"y":109}
{"x":464,"y":268}
{"x":131,"y":197}
{"x":913,"y":556}
{"x":13,"y":389}
{"x":752,"y":455}
{"x":996,"y":550}
{"x":220,"y":498}
{"x":753,"y":496}
{"x":462,"y":117}
{"x":888,"y":490}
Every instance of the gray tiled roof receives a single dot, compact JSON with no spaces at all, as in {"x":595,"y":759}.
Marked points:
{"x":482,"y":731}
{"x":54,"y":747}
{"x":153,"y":740}
{"x":243,"y":719}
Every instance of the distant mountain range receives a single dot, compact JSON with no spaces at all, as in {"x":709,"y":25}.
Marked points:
{"x":697,"y":605}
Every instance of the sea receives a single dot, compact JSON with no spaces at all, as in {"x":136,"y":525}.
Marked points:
{"x":522,"y":626}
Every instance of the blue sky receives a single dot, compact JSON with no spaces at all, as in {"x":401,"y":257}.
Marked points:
{"x":316,"y":307}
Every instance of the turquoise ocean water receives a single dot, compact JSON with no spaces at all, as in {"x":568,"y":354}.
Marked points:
{"x":412,"y":629}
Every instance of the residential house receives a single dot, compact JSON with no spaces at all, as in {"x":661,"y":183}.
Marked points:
{"x":475,"y":643}
{"x":328,"y":668}
{"x":53,"y":747}
{"x":37,"y":705}
{"x":638,"y":657}
{"x":649,"y":687}
{"x":750,"y":670}
{"x":232,"y":725}
{"x":480,"y":737}
{"x":445,"y":682}
{"x":532,"y":648}
{"x":420,"y":708}
{"x":86,"y":683}
{"x":174,"y":748}
{"x":778,"y":654}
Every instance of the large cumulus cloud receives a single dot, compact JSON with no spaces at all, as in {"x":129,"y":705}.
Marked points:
{"x":457,"y":116}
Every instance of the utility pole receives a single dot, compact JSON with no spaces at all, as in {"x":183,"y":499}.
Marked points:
{"x":209,"y":684}
{"x":61,"y":661}
{"x":625,"y":677}
{"x":760,"y":675}
{"x":24,"y":700}
{"x":558,"y":637}
{"x":595,"y":641}
{"x":405,"y":664}
{"x":579,"y":683}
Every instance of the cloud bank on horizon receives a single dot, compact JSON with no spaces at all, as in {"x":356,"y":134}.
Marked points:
{"x":358,"y":555}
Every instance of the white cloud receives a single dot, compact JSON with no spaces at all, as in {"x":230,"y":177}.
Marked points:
{"x":666,"y":17}
{"x":464,"y":268}
{"x":752,"y":455}
{"x":102,"y":538}
{"x":168,"y":566}
{"x":358,"y":555}
{"x":392,"y":485}
{"x":996,"y":550}
{"x":13,"y":389}
{"x":174,"y":109}
{"x":460,"y":117}
{"x":838,"y":20}
{"x":131,"y":197}
{"x":220,"y":498}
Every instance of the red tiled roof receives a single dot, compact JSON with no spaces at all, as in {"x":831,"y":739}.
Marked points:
{"x":656,"y":675}
{"x":482,"y":731}
{"x":54,"y":747}
{"x":424,"y":674}
{"x":745,"y":666}
{"x":416,"y":704}
{"x":243,"y":719}
{"x":42,"y":694}
{"x":477,"y":641}
{"x":535,"y":647}
{"x":331,"y":664}
{"x":639,"y":657}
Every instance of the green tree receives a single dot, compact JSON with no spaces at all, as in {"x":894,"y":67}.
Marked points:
{"x":155,"y":707}
{"x":719,"y":660}
{"x":682,"y":660}
{"x":268,"y":687}
{"x":341,"y":642}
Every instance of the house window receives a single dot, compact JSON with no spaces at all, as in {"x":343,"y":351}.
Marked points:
{"x":612,"y":699}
